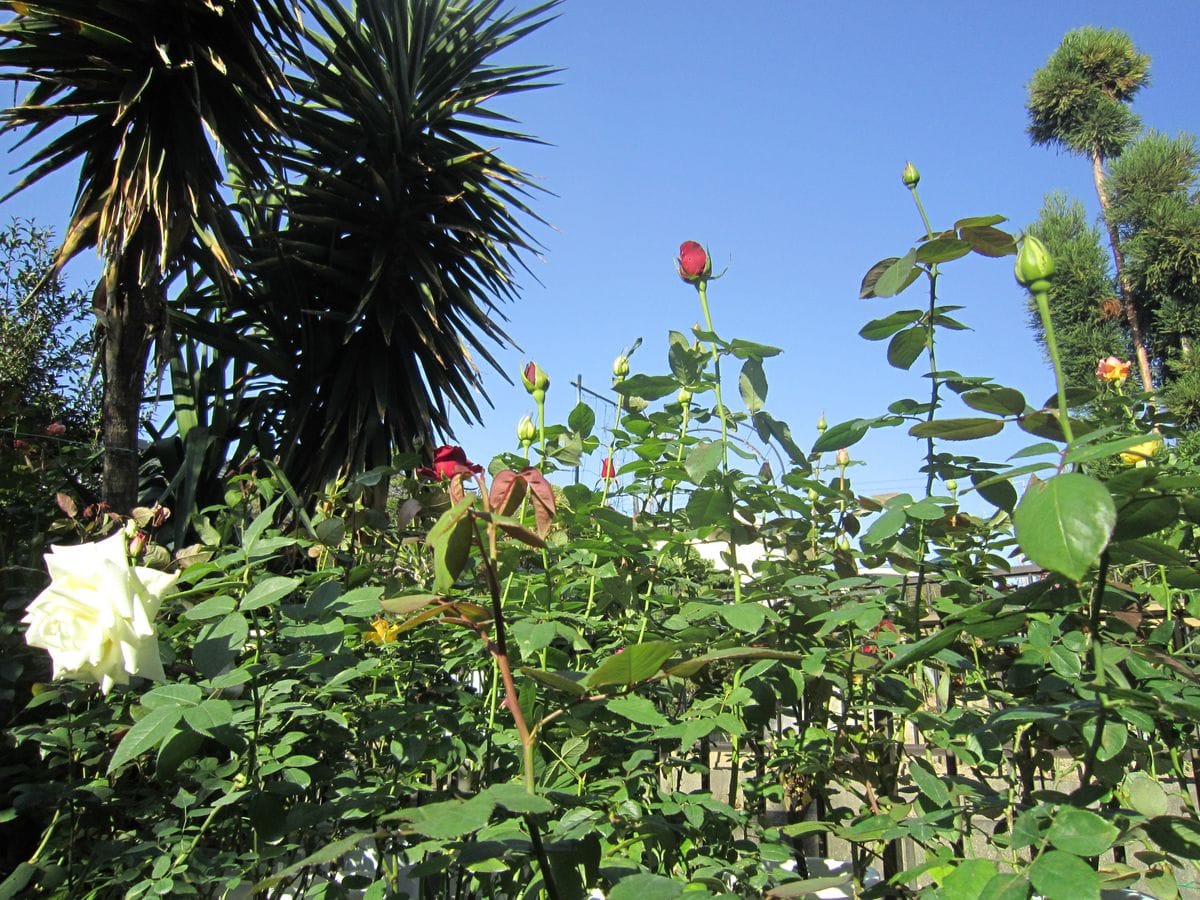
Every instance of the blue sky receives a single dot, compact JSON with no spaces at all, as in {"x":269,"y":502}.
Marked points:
{"x":775,"y":134}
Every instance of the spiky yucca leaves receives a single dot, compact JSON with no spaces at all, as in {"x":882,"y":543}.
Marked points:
{"x":132,"y":94}
{"x":378,"y":265}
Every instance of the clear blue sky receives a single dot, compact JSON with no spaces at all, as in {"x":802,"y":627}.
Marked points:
{"x":775,"y":134}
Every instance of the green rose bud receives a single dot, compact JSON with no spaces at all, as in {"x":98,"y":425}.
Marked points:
{"x":822,"y":424}
{"x":526,"y":431}
{"x":1035,"y":265}
{"x":952,"y":487}
{"x":685,"y":396}
{"x":621,"y":366}
{"x":910,"y":176}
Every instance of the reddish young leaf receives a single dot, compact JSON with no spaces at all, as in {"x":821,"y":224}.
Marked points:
{"x":542,"y":495}
{"x":508,"y":490}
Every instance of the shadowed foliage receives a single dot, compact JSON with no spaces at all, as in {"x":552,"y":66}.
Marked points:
{"x":132,"y":94}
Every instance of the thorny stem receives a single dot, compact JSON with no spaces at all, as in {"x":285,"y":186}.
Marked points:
{"x":1043,"y":307}
{"x":702,"y":290}
{"x":499,"y":651}
{"x":934,"y":389}
{"x":1097,"y":660}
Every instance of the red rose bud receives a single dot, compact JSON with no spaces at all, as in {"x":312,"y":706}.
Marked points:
{"x":56,"y":429}
{"x":607,"y":470}
{"x":693,"y":263}
{"x":534,"y":378}
{"x":138,"y":543}
{"x":449,"y":462}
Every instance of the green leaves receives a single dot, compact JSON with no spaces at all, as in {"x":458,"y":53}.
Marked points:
{"x":1065,"y":522}
{"x":1058,"y":875}
{"x":906,"y":346}
{"x":889,"y":277}
{"x":844,"y":434}
{"x":166,"y":708}
{"x":752,"y":382}
{"x":450,"y":539}
{"x":633,"y":664}
{"x":878,"y":329}
{"x":1081,"y":832}
{"x":637,"y":709}
{"x":967,"y":429}
{"x":702,"y":459}
{"x":647,"y":387}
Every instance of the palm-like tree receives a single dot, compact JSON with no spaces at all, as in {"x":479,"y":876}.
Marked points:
{"x":143,"y":98}
{"x":1080,"y":101}
{"x":377,"y":264}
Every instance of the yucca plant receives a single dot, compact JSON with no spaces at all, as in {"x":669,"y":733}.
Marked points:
{"x":377,"y":264}
{"x":143,"y":99}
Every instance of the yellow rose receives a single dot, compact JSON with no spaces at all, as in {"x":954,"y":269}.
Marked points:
{"x":1141,"y":452}
{"x":382,"y":632}
{"x":97,"y":616}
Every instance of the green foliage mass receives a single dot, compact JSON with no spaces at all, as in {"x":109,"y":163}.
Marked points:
{"x":1084,"y":304}
{"x":516,"y":685}
{"x":1144,"y":289}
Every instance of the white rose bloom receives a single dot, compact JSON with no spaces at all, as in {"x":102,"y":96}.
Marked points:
{"x":97,"y":616}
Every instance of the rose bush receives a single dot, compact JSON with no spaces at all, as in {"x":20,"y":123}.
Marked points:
{"x":96,"y":618}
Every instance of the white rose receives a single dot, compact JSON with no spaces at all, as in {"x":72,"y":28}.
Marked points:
{"x":97,"y":616}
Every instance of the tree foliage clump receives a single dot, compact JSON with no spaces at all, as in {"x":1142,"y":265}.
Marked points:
{"x":1140,"y":296}
{"x":45,"y":339}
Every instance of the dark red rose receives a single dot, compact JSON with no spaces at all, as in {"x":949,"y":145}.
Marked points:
{"x":449,"y":461}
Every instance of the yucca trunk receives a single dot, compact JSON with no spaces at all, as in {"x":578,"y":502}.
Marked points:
{"x":126,"y":346}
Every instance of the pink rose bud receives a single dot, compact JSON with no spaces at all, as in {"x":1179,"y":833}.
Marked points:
{"x":693,"y":263}
{"x":607,"y":470}
{"x":535,"y":378}
{"x":843,"y":457}
{"x":56,"y":429}
{"x":19,"y":444}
